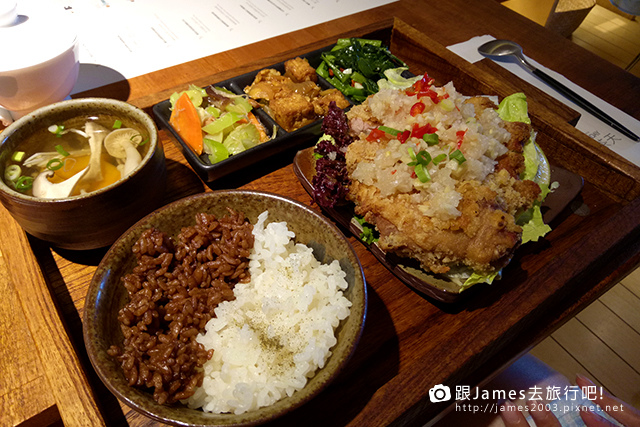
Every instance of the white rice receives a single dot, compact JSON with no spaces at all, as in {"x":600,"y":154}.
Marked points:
{"x":278,"y":331}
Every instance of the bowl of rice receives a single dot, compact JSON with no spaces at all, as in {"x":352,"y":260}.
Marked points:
{"x":225,"y":308}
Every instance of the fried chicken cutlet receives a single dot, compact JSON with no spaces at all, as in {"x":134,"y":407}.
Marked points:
{"x":294,"y":98}
{"x":465,"y":213}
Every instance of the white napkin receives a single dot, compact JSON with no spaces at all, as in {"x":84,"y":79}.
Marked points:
{"x":588,"y":124}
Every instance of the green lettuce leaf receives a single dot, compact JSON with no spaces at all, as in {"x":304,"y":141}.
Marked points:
{"x":394,"y":80}
{"x":533,"y":226}
{"x":514,"y":108}
{"x":476,"y":278}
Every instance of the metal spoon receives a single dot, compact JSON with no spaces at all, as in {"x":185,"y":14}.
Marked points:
{"x":502,"y":48}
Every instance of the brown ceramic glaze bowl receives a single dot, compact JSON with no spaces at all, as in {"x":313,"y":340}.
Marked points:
{"x":107,"y":295}
{"x":96,"y":219}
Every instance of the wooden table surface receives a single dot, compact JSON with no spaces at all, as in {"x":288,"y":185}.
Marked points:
{"x":410,"y":343}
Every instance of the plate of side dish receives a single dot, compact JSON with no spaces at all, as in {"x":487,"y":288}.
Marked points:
{"x":285,"y":102}
{"x":295,"y":125}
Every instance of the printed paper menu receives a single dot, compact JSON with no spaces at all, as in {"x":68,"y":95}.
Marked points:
{"x":127,"y":38}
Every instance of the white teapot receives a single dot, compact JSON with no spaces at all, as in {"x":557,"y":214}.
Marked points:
{"x":39,"y":62}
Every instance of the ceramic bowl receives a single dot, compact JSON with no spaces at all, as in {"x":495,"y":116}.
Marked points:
{"x":106,"y":296}
{"x":95,"y":219}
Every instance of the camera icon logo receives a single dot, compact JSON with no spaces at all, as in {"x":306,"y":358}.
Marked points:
{"x":440,"y":393}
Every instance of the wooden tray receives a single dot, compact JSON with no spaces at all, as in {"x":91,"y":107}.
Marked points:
{"x":409,"y":343}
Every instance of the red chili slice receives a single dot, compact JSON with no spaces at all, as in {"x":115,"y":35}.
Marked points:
{"x":376,"y":135}
{"x":460,"y":136}
{"x":417,"y":108}
{"x":421,"y":87}
{"x":402,"y":137}
{"x":420,"y":131}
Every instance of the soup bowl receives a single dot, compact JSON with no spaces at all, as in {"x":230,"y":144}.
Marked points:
{"x":107,"y":295}
{"x":95,"y":219}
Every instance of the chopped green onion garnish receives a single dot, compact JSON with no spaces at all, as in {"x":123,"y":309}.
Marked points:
{"x":390,"y":131}
{"x":56,"y":129}
{"x":431,"y":139}
{"x":18,"y":156}
{"x":143,"y":142}
{"x":420,"y":163}
{"x":61,"y":150}
{"x":24,"y":183}
{"x":12,"y":173}
{"x":423,"y":157}
{"x":412,"y":154}
{"x":117,"y":124}
{"x":422,"y":173}
{"x":55,"y":164}
{"x":458,"y":157}
{"x":439,"y":158}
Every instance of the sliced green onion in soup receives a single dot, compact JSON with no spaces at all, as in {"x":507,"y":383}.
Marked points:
{"x":117,"y":124}
{"x":24,"y":183}
{"x":12,"y":173}
{"x":61,"y":150}
{"x":137,"y":137}
{"x":57,"y":130}
{"x":55,"y":164}
{"x":18,"y":156}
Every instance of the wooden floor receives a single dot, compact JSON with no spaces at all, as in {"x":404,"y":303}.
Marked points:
{"x":603,"y":341}
{"x":610,"y":36}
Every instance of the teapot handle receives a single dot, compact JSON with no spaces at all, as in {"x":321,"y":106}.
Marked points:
{"x":5,"y":116}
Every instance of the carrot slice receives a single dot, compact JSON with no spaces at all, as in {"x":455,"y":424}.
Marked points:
{"x":186,"y":121}
{"x":253,"y":119}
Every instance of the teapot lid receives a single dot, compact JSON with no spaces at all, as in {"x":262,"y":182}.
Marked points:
{"x":32,"y":35}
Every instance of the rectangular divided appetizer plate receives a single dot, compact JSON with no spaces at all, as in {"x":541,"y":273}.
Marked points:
{"x":281,"y":142}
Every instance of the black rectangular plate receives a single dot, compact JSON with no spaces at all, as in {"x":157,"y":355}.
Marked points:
{"x":283,"y":140}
